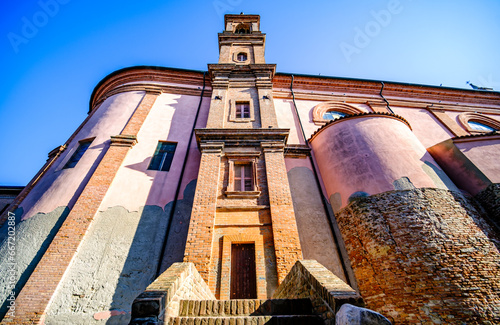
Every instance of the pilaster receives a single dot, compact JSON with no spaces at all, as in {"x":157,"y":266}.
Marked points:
{"x":199,"y":241}
{"x":34,"y":298}
{"x":285,"y":233}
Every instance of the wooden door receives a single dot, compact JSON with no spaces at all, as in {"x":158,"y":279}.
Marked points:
{"x":243,"y":278}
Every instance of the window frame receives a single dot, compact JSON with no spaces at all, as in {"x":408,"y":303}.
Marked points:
{"x":165,"y":155}
{"x":233,"y":110}
{"x":320,"y":109}
{"x":467,"y":117}
{"x":73,"y":154}
{"x":236,"y":160}
{"x":243,"y":55}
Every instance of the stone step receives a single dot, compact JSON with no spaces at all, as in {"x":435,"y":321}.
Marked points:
{"x":248,"y":320}
{"x":245,"y":307}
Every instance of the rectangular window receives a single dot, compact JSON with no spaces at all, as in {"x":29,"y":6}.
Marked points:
{"x":243,"y":177}
{"x":242,"y":109}
{"x":163,"y":156}
{"x":77,"y":155}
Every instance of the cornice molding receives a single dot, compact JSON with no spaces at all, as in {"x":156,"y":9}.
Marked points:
{"x":327,"y":88}
{"x":477,"y":137}
{"x":123,"y":140}
{"x":241,"y":137}
{"x":117,"y":81}
{"x":297,"y":151}
{"x":356,"y":116}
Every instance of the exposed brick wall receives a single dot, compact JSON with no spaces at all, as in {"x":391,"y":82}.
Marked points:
{"x":262,"y":237}
{"x":162,"y":297}
{"x":201,"y":227}
{"x":34,"y":297}
{"x":423,"y":256}
{"x":490,"y":200}
{"x":285,"y":233}
{"x":310,"y":279}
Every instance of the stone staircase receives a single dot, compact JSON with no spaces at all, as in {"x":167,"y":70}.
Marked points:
{"x":309,"y":294}
{"x":246,"y":311}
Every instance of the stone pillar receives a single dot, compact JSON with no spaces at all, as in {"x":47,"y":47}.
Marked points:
{"x":285,"y":233}
{"x":36,"y":294}
{"x":201,"y":226}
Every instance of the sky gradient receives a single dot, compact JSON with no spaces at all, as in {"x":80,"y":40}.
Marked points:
{"x":54,"y":52}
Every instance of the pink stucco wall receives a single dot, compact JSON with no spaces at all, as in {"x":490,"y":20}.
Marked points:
{"x":61,"y":187}
{"x":485,"y":154}
{"x":368,"y":154}
{"x":170,"y":119}
{"x":286,"y":115}
{"x":425,"y":126}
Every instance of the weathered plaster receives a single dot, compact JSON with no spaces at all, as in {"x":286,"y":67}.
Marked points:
{"x":459,"y":168}
{"x":115,"y":262}
{"x":32,"y":238}
{"x":286,"y":116}
{"x":61,"y":187}
{"x":316,"y":237}
{"x":170,"y":119}
{"x":425,"y":126}
{"x":485,"y":154}
{"x":176,"y":243}
{"x":367,"y":154}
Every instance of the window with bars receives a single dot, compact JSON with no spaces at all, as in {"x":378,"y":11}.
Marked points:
{"x":242,"y":109}
{"x":243,"y":177}
{"x":163,"y":156}
{"x":77,"y":155}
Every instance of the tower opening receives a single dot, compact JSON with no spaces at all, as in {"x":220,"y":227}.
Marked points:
{"x":242,"y":29}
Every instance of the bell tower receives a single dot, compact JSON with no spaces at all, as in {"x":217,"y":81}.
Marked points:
{"x":243,"y":235}
{"x":242,"y":81}
{"x":242,"y":41}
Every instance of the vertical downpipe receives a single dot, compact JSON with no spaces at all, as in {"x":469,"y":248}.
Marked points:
{"x":179,"y":183}
{"x":350,"y":280}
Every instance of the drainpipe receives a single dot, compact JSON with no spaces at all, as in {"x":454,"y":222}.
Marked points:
{"x":350,"y":281}
{"x":385,"y":100}
{"x":178,"y":189}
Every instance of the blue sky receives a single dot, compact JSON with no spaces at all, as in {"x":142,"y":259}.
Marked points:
{"x":54,"y":52}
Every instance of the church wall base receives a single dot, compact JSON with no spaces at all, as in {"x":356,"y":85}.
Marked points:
{"x":423,"y":255}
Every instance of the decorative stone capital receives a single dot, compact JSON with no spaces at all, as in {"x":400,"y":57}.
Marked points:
{"x":57,"y":151}
{"x":212,"y":147}
{"x":153,"y":90}
{"x":272,"y":146}
{"x":123,"y":140}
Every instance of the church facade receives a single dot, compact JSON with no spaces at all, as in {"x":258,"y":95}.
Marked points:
{"x":242,"y":171}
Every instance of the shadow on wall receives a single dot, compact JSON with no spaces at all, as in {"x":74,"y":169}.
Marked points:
{"x":141,"y":263}
{"x":32,"y":238}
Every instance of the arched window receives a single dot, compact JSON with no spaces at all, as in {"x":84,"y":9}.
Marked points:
{"x":242,"y":29}
{"x":333,"y":115}
{"x":478,"y":123}
{"x":480,"y":126}
{"x":328,"y":111}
